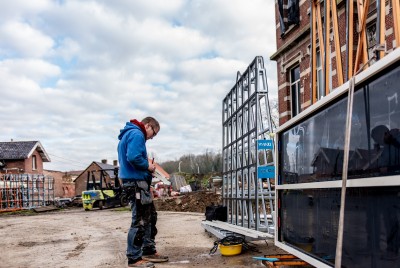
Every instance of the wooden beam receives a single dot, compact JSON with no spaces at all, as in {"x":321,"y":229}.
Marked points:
{"x":382,"y":27}
{"x":320,"y":34}
{"x":350,"y":44}
{"x":327,"y":45}
{"x":314,"y":51}
{"x":339,"y":70}
{"x":396,"y":20}
{"x":362,"y":39}
{"x":364,"y":32}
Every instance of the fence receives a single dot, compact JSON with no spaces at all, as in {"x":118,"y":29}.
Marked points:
{"x":25,"y":191}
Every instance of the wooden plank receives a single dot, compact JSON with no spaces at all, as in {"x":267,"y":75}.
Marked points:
{"x":350,"y":44}
{"x":279,"y":260}
{"x":382,"y":26}
{"x":314,"y":51}
{"x":396,"y":20}
{"x":362,"y":39}
{"x":336,"y":39}
{"x":327,"y":46}
{"x":320,"y":34}
{"x":45,"y":208}
{"x":286,"y":263}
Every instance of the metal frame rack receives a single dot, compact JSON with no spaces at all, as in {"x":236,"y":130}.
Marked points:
{"x":248,"y":190}
{"x":24,"y":191}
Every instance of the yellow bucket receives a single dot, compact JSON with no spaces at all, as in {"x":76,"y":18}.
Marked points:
{"x":230,"y":250}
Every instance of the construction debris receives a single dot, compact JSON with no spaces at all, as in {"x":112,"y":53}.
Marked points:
{"x":189,"y":202}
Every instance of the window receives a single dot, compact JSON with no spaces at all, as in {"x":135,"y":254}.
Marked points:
{"x":295,"y":89}
{"x":371,"y":39}
{"x":34,"y":163}
{"x":314,"y":148}
{"x":320,"y":82}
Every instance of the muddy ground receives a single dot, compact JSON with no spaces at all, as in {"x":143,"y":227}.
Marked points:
{"x":76,"y":238}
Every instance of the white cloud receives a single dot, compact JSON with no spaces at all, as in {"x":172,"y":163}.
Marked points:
{"x":34,"y":69}
{"x":73,"y":72}
{"x":20,"y":39}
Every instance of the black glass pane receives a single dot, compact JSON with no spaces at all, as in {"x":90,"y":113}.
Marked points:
{"x":312,"y":151}
{"x":376,"y":138}
{"x":309,"y":222}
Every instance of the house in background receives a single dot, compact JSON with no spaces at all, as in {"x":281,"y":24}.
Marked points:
{"x":18,"y":157}
{"x":57,"y":176}
{"x":160,"y":175}
{"x":68,"y":183}
{"x":64,"y":182}
{"x":94,"y":168}
{"x":23,"y":182}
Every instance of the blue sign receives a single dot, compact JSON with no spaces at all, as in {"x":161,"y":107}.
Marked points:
{"x":266,"y":172}
{"x":265,"y":144}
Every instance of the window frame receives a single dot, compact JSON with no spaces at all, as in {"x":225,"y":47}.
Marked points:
{"x":295,"y":90}
{"x":34,"y":162}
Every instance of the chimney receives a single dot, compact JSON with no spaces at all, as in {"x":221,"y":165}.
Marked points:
{"x":104,"y":161}
{"x":115,"y":163}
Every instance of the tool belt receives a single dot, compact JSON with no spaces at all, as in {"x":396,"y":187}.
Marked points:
{"x":138,"y":191}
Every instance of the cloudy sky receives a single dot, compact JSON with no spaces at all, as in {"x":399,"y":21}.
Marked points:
{"x":72,"y":73}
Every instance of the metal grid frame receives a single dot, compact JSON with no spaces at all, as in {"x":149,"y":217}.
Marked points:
{"x":246,"y":119}
{"x":25,"y":191}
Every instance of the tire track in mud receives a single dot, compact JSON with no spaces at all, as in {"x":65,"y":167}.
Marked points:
{"x":77,"y":251}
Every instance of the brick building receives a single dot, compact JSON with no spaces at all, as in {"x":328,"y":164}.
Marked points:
{"x":18,"y":157}
{"x":300,"y":24}
{"x":95,"y":170}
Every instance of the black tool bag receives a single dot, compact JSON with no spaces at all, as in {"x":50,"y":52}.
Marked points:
{"x":216,"y":213}
{"x":143,"y":192}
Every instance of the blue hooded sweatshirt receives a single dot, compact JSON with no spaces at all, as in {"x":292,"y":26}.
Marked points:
{"x":132,"y":154}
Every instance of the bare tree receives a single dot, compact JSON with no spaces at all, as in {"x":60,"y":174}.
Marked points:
{"x":206,"y":163}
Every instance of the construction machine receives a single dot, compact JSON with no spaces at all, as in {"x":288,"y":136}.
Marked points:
{"x":102,"y":190}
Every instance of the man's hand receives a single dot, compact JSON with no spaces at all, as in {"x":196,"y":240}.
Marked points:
{"x":152,"y":167}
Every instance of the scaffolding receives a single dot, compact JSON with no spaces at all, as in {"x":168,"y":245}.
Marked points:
{"x":25,"y":191}
{"x":248,"y":157}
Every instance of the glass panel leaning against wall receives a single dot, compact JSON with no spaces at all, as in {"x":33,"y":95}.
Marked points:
{"x":313,"y":150}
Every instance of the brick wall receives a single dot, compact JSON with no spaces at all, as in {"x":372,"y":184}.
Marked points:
{"x":24,"y":165}
{"x":294,"y":42}
{"x":81,"y":180}
{"x":58,"y":187}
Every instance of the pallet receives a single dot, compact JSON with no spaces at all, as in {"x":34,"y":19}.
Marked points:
{"x":280,"y":260}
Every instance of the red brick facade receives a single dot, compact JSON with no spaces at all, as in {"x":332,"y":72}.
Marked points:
{"x":57,"y":175}
{"x":25,"y":165}
{"x":294,"y":49}
{"x":81,"y":180}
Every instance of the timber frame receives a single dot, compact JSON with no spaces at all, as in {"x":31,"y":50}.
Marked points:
{"x":320,"y":30}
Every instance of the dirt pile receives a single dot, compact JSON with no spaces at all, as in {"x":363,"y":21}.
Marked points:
{"x":189,"y":202}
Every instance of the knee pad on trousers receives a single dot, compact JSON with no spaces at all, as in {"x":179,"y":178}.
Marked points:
{"x":138,"y":241}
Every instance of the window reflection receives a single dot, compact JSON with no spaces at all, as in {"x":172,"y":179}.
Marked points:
{"x":313,"y":150}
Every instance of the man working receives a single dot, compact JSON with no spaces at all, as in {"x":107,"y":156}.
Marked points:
{"x":135,"y":172}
